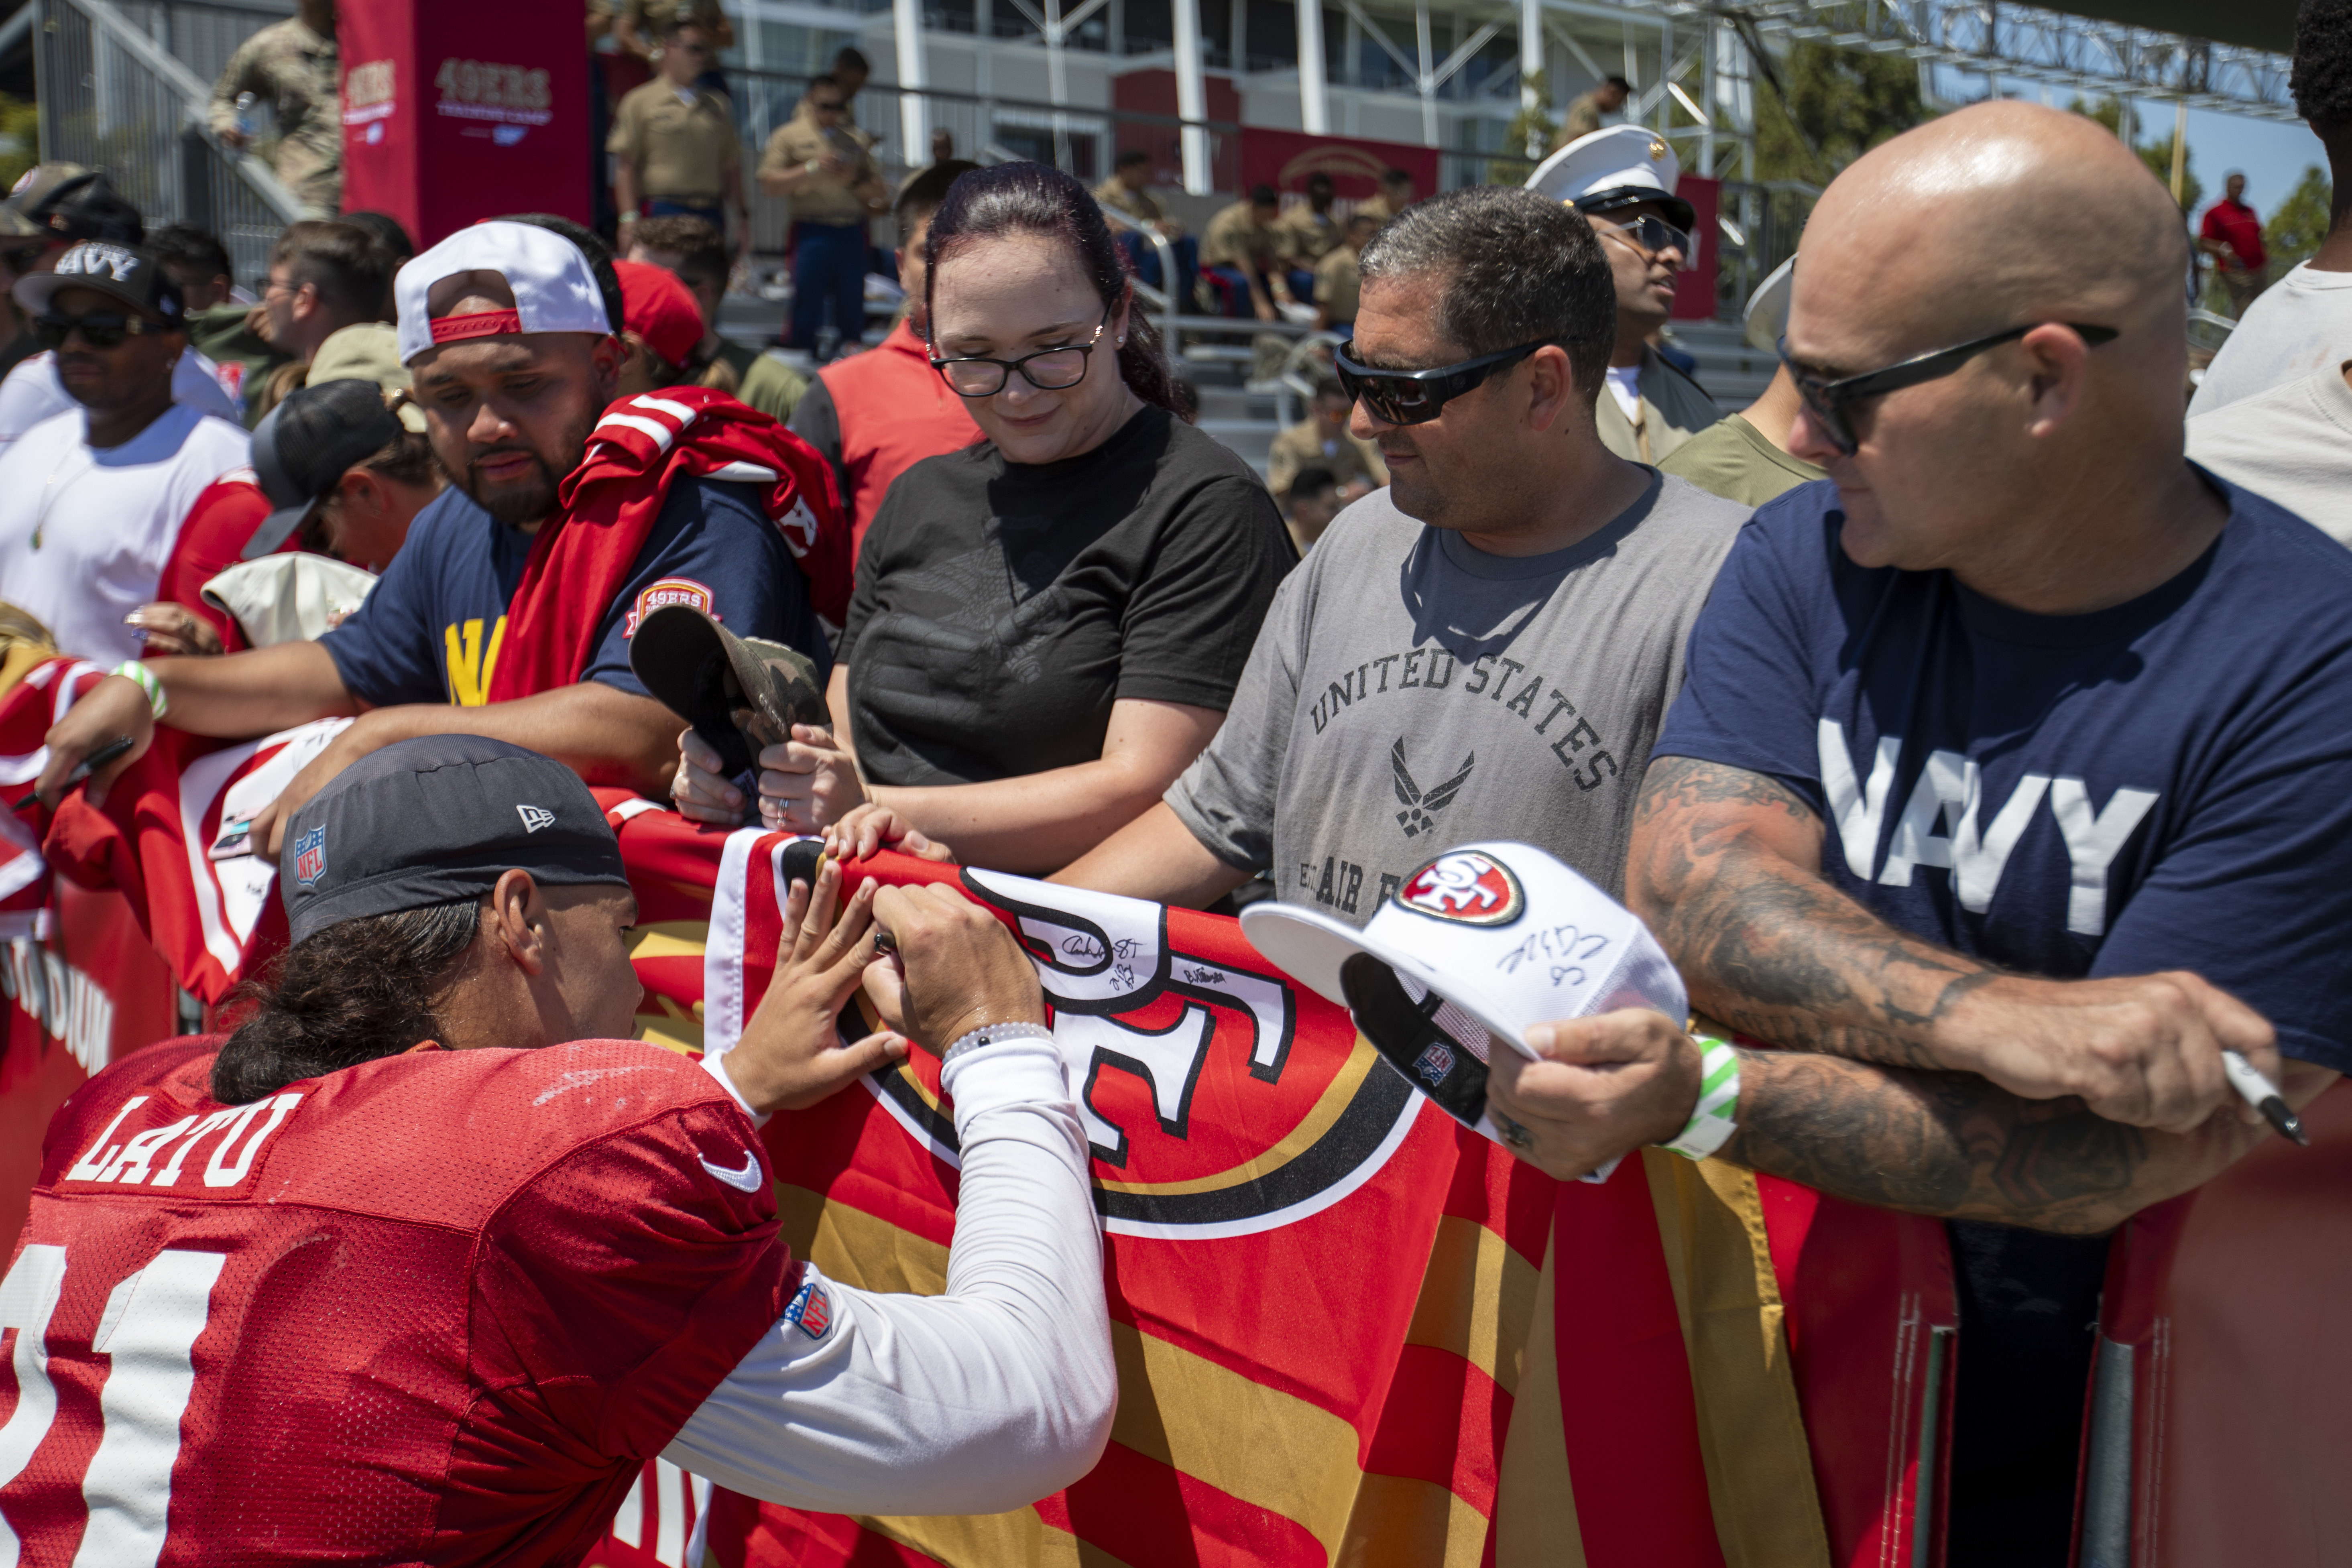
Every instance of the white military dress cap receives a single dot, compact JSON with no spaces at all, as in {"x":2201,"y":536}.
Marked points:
{"x":1616,"y":166}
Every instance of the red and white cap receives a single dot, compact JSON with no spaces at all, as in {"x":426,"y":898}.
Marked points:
{"x":554,"y":287}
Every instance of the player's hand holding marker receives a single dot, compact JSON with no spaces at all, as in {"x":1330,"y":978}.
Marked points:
{"x":791,"y":1055}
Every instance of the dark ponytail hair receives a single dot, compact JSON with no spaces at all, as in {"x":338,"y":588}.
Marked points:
{"x":1031,"y":198}
{"x":359,"y":990}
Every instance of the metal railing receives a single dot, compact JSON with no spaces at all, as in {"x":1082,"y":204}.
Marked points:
{"x":113,"y":98}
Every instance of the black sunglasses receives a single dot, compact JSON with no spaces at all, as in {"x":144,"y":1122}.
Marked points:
{"x":1827,"y":400}
{"x":1418,"y":396}
{"x":98,"y":329}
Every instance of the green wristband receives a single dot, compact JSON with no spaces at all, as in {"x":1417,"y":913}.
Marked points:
{"x":1714,"y":1120}
{"x":136,"y":669}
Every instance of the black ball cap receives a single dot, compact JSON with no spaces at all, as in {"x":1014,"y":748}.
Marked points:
{"x":87,"y":206}
{"x":302,"y":447}
{"x":436,"y":820}
{"x":123,"y":272}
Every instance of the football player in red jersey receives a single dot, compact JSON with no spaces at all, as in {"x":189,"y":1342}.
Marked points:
{"x":423,"y":1262}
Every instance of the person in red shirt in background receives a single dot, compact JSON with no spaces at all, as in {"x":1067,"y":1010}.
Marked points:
{"x":2232,"y":235}
{"x":341,"y":478}
{"x":661,"y":326}
{"x":875,"y":415}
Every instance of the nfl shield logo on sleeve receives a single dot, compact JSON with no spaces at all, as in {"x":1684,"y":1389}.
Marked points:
{"x":311,"y":856}
{"x":811,"y":1312}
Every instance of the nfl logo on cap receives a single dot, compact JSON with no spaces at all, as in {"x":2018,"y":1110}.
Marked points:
{"x":311,"y":856}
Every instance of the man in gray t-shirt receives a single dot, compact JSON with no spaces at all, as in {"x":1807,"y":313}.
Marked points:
{"x":1486,"y":648}
{"x":1409,"y":691}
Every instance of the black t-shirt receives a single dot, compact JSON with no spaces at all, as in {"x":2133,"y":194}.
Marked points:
{"x":1003,"y":607}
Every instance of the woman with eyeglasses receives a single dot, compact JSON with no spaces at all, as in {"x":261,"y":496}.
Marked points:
{"x":1048,"y":624}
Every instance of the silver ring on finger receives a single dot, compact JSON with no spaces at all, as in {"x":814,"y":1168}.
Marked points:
{"x":1513,"y":1135}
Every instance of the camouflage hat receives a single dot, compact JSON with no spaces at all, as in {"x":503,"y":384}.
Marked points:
{"x":740,"y":694}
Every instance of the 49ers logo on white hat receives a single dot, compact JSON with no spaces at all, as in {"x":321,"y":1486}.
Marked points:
{"x":1465,"y":885}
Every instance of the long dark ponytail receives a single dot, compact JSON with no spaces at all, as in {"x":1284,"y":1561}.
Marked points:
{"x":1033,"y":198}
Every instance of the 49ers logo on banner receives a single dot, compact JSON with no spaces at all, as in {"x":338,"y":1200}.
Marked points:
{"x":1465,"y":885}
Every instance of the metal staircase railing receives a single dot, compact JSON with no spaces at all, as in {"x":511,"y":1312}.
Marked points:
{"x":113,"y":99}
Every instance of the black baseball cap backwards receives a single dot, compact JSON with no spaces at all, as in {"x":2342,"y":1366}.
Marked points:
{"x":302,"y":447}
{"x":124,"y":272}
{"x":438,"y":819}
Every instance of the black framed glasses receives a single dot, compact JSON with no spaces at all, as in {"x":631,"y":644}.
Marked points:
{"x":1827,"y":399}
{"x":1047,"y":369}
{"x":98,"y":329}
{"x":1651,"y":235}
{"x":1418,"y":396}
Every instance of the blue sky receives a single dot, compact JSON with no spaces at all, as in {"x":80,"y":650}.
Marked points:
{"x":2272,"y":156}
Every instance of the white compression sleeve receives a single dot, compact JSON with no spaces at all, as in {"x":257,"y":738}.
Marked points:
{"x":979,"y":1401}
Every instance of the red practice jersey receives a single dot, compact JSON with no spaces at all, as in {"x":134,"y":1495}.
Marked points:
{"x":437,"y":1307}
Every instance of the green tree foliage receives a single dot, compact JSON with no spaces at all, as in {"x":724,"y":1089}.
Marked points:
{"x":20,"y":138}
{"x":2299,"y":224}
{"x":1532,"y":126}
{"x":2155,"y":152}
{"x":1818,"y":109}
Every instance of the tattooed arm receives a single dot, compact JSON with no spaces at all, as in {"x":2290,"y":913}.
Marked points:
{"x":1725,"y":867}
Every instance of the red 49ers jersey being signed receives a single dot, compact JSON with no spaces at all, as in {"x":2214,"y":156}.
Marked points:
{"x":436,"y":1308}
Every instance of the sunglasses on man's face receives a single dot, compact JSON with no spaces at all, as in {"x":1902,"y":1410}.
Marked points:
{"x":1651,"y":235}
{"x":823,"y":108}
{"x":98,"y":329}
{"x":1418,"y":396}
{"x":1830,"y":399}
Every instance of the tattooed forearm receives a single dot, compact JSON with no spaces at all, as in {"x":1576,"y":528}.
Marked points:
{"x":1952,"y":1144}
{"x":1723,"y":867}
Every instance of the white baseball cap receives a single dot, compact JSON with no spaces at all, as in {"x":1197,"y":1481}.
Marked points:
{"x":1616,"y":166}
{"x":554,"y":287}
{"x":1767,"y":316}
{"x":1479,"y":944}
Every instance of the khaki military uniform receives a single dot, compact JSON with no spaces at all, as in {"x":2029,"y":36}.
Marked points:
{"x":1309,"y":235}
{"x":1339,"y":286}
{"x":681,"y":148}
{"x":822,"y":198}
{"x":1302,"y":447}
{"x":1140,"y":206}
{"x":759,"y":380}
{"x":1235,"y":239}
{"x":1732,"y":458}
{"x":296,"y":71}
{"x":1673,"y":408}
{"x":1378,"y":208}
{"x":652,"y":19}
{"x":1583,"y":118}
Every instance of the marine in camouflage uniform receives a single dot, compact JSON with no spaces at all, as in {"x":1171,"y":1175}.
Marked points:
{"x":293,"y":66}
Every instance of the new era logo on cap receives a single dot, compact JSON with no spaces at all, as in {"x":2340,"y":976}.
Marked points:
{"x":535,"y":817}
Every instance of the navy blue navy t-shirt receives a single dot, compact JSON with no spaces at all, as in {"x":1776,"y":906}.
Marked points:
{"x":432,"y":629}
{"x":2163,"y":785}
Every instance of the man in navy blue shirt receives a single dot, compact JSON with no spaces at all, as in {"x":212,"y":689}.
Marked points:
{"x":2010,"y":783}
{"x":507,"y":329}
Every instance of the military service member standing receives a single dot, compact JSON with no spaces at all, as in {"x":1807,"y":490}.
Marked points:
{"x":1585,"y":109}
{"x":1623,"y":180}
{"x":676,"y":153}
{"x":292,"y":67}
{"x":1745,"y":456}
{"x":816,"y":159}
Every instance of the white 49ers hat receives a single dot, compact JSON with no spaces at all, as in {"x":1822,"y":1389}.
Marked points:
{"x":555,"y":289}
{"x":1478,"y":945}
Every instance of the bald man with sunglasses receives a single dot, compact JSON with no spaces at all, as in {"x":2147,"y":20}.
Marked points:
{"x":2007,"y":792}
{"x":1484,"y":649}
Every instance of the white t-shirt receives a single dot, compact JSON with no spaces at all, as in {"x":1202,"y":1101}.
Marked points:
{"x":33,"y":391}
{"x":2300,"y":325}
{"x":2292,"y":445}
{"x":106,"y":519}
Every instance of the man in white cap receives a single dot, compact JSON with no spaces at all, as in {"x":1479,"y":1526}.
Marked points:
{"x":1745,"y":456}
{"x":1623,"y":180}
{"x":485,"y":624}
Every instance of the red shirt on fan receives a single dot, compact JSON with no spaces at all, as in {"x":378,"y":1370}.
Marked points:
{"x":211,"y":540}
{"x":440,"y":1307}
{"x":875,"y":415}
{"x":2234,"y":224}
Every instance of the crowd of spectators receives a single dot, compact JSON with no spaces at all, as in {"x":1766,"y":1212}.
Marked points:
{"x":1897,"y":703}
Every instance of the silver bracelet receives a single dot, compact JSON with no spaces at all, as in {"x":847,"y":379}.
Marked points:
{"x":990,"y":1034}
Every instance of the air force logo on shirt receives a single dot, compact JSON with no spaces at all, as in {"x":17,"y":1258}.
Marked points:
{"x":1943,"y":825}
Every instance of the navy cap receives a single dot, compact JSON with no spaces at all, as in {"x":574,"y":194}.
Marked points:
{"x":302,"y":448}
{"x":437,"y":819}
